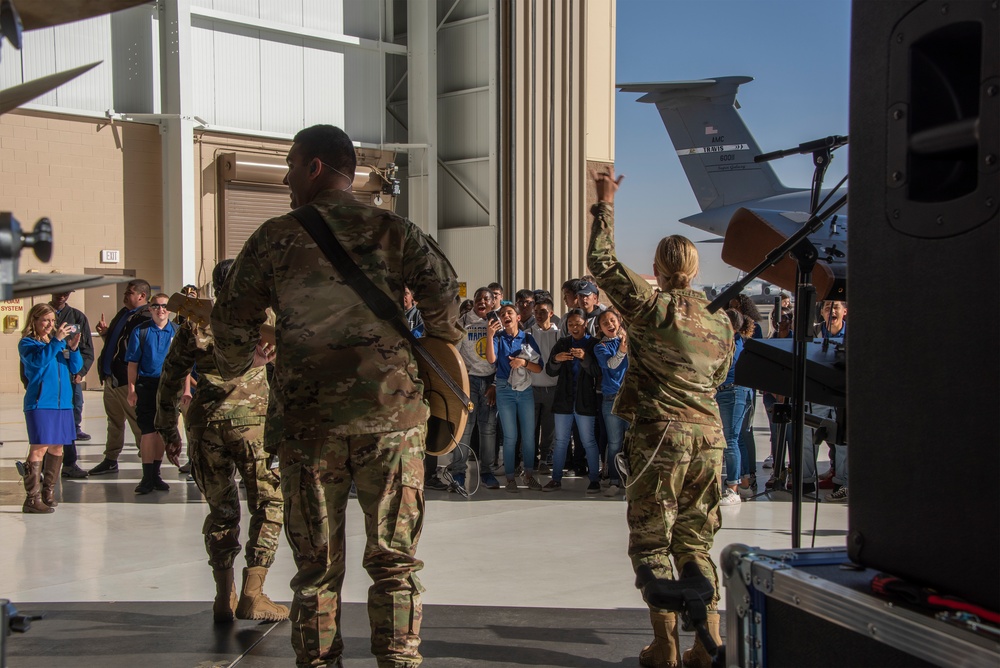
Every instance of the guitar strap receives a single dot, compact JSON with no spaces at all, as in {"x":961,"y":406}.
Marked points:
{"x":379,"y":302}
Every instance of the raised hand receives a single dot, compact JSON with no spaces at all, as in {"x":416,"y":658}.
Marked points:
{"x":606,"y":184}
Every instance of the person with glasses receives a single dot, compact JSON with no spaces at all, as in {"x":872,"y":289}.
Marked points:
{"x":346,"y":403}
{"x":524,"y":302}
{"x":112,"y":369}
{"x":147,"y":348}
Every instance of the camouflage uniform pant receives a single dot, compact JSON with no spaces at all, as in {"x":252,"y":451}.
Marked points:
{"x":316,"y":475}
{"x":218,"y":452}
{"x":673,"y":505}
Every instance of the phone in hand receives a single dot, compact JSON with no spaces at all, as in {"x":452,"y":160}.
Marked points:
{"x":491,"y":316}
{"x":73,"y":329}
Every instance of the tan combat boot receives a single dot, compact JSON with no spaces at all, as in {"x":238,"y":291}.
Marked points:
{"x":225,"y":596}
{"x":665,"y":651}
{"x":697,"y":656}
{"x":33,"y":489}
{"x":254,"y":603}
{"x":51,"y":467}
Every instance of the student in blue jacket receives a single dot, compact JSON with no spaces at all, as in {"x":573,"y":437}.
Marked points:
{"x":50,"y":357}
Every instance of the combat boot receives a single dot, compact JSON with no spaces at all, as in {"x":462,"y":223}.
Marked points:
{"x":254,"y":603}
{"x":697,"y":656}
{"x":33,"y":489}
{"x":225,"y":596}
{"x":665,"y":651}
{"x":51,"y":465}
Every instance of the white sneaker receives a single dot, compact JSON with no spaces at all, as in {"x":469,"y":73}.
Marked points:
{"x":612,"y":490}
{"x":730,"y":498}
{"x":768,"y":462}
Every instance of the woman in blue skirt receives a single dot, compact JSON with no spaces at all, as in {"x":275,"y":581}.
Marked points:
{"x":50,"y":357}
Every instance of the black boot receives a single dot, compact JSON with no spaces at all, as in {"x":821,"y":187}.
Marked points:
{"x":158,"y":483}
{"x":145,"y":485}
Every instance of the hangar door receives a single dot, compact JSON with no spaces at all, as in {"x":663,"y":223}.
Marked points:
{"x":250,"y":192}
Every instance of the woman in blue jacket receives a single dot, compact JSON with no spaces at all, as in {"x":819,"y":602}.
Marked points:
{"x":612,"y":356}
{"x":50,"y":357}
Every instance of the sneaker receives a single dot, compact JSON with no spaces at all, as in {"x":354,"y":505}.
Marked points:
{"x":82,"y":435}
{"x":614,"y":489}
{"x":490,"y":481}
{"x":144,"y":487}
{"x":533,"y":483}
{"x":185,"y":468}
{"x":435,"y":483}
{"x":511,"y":486}
{"x":106,"y":466}
{"x":772,"y":482}
{"x":544,"y":468}
{"x":838,"y":495}
{"x":73,"y":471}
{"x":730,"y":498}
{"x":552,"y":486}
{"x":808,"y":490}
{"x":594,"y":487}
{"x":768,"y":462}
{"x":159,"y":485}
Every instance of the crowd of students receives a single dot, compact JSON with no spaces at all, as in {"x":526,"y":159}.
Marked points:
{"x":546,"y":384}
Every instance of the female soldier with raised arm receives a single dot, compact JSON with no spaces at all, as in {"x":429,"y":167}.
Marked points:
{"x":680,"y":353}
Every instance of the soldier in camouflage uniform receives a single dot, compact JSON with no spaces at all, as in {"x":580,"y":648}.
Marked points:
{"x":680,"y":353}
{"x":225,"y":426}
{"x":346,"y":402}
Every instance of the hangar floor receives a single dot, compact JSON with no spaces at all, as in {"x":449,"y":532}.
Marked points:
{"x":512,"y":580}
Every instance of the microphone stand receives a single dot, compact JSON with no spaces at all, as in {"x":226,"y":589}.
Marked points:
{"x":805,"y":255}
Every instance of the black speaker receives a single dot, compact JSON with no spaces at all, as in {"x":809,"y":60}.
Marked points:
{"x":923,"y":385}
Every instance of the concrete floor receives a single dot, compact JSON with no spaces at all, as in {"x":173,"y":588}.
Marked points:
{"x":526,"y":579}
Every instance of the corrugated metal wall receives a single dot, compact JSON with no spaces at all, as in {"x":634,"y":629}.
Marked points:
{"x":547,"y":218}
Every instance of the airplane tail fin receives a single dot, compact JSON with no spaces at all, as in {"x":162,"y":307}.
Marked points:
{"x":714,"y":145}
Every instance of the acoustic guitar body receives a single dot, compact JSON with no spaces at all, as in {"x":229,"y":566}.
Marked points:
{"x":448,"y":414}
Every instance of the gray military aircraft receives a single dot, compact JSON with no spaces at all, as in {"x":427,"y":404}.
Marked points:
{"x":717,"y":152}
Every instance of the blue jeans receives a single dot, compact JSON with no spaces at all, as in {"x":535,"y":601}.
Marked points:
{"x":516,"y":408}
{"x":748,"y":447}
{"x":615,"y":427}
{"x":732,"y":409}
{"x":564,"y":429}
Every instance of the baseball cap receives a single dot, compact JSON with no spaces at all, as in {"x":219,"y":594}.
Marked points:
{"x":587,"y":288}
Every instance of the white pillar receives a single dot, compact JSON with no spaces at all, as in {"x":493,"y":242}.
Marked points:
{"x":422,"y":104}
{"x":177,"y":138}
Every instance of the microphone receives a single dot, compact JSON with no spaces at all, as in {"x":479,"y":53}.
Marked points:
{"x":831,"y":142}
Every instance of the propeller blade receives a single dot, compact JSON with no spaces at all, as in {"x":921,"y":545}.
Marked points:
{"x":13,"y":97}
{"x":37,"y":14}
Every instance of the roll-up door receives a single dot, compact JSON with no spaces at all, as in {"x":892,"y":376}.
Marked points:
{"x":251,"y":192}
{"x":245,"y":207}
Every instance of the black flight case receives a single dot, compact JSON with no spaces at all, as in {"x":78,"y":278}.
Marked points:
{"x":812,"y":607}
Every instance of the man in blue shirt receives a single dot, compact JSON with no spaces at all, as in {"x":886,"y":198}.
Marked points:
{"x":147,"y":348}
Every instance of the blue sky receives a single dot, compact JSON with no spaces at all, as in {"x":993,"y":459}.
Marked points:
{"x":798,"y":52}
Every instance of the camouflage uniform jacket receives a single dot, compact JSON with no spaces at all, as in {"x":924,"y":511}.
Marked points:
{"x":340,"y":370}
{"x":242,"y":401}
{"x":679,"y":351}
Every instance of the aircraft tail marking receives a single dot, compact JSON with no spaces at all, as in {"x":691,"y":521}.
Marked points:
{"x":715,"y":147}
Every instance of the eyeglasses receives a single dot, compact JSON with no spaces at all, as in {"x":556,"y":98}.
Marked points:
{"x":163,"y":306}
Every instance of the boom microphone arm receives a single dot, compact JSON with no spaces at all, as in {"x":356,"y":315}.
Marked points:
{"x":827,"y":143}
